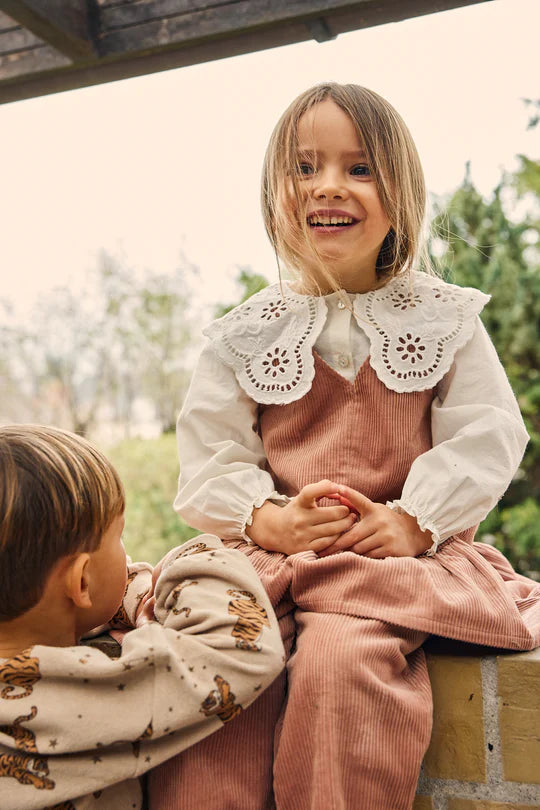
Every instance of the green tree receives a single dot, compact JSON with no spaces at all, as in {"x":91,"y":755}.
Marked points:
{"x":249,"y":283}
{"x":484,"y":247}
{"x":86,"y":357}
{"x":149,"y":471}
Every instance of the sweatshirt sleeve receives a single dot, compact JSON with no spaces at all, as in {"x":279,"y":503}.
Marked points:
{"x":222,"y":458}
{"x":75,"y":722}
{"x":478,"y":442}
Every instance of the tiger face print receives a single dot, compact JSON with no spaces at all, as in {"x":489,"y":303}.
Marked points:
{"x":27,"y":770}
{"x":20,"y":671}
{"x":252,"y":617}
{"x":24,"y":738}
{"x":221,"y":701}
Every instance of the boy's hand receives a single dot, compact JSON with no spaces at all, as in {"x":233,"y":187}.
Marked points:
{"x":380,"y":532}
{"x":301,"y":525}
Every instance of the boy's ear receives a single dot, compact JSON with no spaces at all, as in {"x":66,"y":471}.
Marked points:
{"x":77,"y":580}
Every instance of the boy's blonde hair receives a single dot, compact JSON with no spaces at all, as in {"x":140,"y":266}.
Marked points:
{"x":58,"y":495}
{"x":394,"y":163}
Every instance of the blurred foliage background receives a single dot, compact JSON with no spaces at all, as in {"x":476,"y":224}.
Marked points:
{"x":114,"y":363}
{"x":149,"y":471}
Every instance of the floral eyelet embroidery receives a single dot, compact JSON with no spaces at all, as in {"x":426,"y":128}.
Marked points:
{"x":410,"y":348}
{"x":445,"y":296}
{"x":276,"y":362}
{"x":273,"y":309}
{"x":403,"y":301}
{"x":414,"y":325}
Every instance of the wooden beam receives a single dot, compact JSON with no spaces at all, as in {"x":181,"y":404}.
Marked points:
{"x":66,"y":25}
{"x":147,"y":45}
{"x":320,"y":30}
{"x":32,"y":64}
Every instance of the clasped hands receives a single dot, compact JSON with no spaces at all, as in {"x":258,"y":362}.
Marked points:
{"x":354,"y":524}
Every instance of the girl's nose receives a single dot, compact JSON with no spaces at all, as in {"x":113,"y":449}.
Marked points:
{"x":328,"y":186}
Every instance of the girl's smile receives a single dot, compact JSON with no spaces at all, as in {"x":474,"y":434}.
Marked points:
{"x":343,"y":214}
{"x":330,"y":220}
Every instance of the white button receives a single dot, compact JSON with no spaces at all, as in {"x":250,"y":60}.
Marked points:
{"x":341,"y":305}
{"x":343,"y":360}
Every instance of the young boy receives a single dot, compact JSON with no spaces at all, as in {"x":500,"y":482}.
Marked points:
{"x":77,"y":728}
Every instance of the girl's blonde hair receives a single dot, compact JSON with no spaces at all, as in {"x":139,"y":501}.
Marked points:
{"x":395,"y":166}
{"x":58,"y":496}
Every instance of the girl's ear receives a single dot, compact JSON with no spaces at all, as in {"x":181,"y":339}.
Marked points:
{"x":77,"y":580}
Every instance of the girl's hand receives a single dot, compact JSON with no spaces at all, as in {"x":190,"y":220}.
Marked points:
{"x":380,"y":532}
{"x":301,"y":525}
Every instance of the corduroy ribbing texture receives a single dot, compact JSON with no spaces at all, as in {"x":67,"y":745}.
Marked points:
{"x":360,"y":434}
{"x":348,"y":728}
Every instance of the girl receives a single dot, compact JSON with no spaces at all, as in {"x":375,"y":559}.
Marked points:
{"x":347,"y":432}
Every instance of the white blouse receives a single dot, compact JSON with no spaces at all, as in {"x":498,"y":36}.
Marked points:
{"x":419,"y":333}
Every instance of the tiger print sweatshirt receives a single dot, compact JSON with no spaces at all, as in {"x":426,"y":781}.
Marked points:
{"x":78,"y":729}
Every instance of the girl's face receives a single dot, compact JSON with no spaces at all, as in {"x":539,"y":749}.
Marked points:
{"x":339,"y":199}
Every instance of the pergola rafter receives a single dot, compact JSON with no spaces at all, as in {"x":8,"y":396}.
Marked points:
{"x":58,"y":45}
{"x":66,"y":25}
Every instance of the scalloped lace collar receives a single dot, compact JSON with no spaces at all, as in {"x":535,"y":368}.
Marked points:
{"x":414,"y":324}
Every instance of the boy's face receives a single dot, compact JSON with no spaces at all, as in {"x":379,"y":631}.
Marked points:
{"x":108,"y":577}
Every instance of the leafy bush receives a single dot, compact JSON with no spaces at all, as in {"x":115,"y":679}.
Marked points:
{"x":149,"y":471}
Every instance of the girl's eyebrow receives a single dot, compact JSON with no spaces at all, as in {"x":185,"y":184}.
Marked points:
{"x":310,"y":153}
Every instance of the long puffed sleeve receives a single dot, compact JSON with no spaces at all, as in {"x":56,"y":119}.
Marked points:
{"x":222,"y":475}
{"x":478,"y":442}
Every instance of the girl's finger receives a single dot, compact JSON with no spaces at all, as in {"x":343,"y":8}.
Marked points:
{"x":309,"y":494}
{"x":334,"y":527}
{"x":348,"y":540}
{"x":323,"y":543}
{"x":378,"y":553}
{"x":327,"y":514}
{"x":327,"y":551}
{"x":346,"y":502}
{"x":359,"y":502}
{"x":367,"y":546}
{"x":358,"y":532}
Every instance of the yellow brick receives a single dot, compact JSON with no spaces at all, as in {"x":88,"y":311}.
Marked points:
{"x":475,"y":804}
{"x":519,"y":715}
{"x":422,"y":803}
{"x":457,"y":747}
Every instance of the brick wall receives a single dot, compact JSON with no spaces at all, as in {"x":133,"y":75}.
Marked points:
{"x":485,"y":746}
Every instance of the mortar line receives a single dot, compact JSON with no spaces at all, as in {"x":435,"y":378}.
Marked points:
{"x":492,"y":735}
{"x":514,"y":792}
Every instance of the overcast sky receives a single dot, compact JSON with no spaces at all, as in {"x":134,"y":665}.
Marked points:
{"x":148,"y":166}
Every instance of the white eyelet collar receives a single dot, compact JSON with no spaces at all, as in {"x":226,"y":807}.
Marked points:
{"x":415,"y":325}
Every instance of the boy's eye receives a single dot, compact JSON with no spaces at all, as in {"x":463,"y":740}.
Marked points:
{"x":305,"y":169}
{"x":362,"y":170}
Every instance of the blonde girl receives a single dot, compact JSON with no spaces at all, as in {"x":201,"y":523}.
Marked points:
{"x":347,"y":431}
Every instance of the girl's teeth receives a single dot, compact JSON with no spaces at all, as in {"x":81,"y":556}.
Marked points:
{"x":316,"y":220}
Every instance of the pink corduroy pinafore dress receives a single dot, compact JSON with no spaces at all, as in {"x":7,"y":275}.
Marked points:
{"x":345,"y":727}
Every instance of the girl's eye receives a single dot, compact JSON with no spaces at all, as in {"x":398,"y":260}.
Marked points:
{"x":362,"y":170}
{"x":305,"y":169}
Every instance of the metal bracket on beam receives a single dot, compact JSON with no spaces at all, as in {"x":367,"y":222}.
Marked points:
{"x":320,"y":30}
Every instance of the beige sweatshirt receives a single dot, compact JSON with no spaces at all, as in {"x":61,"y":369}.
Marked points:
{"x":78,"y":728}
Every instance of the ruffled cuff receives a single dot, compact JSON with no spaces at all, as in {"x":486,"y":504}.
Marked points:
{"x":425,"y":523}
{"x":274,"y":497}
